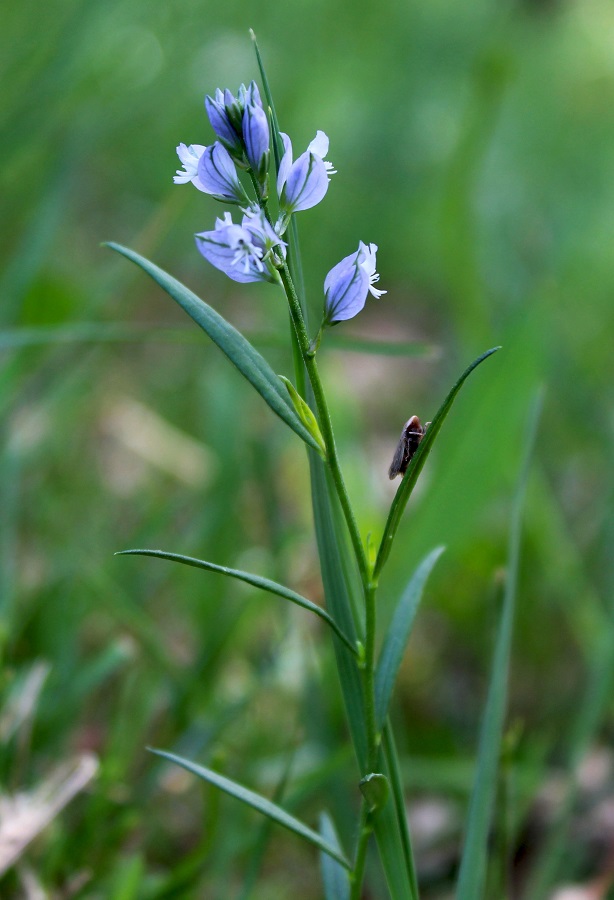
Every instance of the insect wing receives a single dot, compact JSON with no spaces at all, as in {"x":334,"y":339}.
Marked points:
{"x":411,"y":436}
{"x":396,"y":466}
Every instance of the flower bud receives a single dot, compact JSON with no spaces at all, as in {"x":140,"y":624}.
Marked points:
{"x":256,"y":141}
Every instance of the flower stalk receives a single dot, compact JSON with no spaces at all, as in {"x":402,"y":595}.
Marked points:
{"x":254,"y":250}
{"x":324,"y":417}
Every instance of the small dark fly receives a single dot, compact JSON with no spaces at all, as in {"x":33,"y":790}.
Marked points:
{"x":412,"y":434}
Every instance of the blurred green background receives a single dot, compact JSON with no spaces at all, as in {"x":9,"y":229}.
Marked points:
{"x":474,"y":145}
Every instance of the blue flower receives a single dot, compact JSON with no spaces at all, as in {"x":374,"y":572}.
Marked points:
{"x":302,"y":184}
{"x":256,"y":140}
{"x":226,"y":114}
{"x":218,"y":176}
{"x":245,"y":252}
{"x":189,"y":158}
{"x":348,"y":283}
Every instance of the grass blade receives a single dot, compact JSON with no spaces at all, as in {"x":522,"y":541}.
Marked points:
{"x":342,"y":597}
{"x":260,"y":844}
{"x":398,"y":798}
{"x":334,"y":567}
{"x":339,"y":602}
{"x":472,"y":874}
{"x":278,"y":146}
{"x":398,"y":634}
{"x":334,"y":877}
{"x":591,"y":711}
{"x":231,"y":342}
{"x":256,"y":801}
{"x":258,"y":581}
{"x":415,"y":467}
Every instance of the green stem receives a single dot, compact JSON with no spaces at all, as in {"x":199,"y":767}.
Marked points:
{"x":325,"y":422}
{"x":369,"y":675}
{"x":358,"y":872}
{"x":369,"y":585}
{"x":396,"y":787}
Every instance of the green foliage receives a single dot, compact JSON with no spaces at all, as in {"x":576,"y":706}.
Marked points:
{"x":261,"y":804}
{"x":481,"y":137}
{"x":398,"y":634}
{"x":264,"y":584}
{"x":334,"y":876}
{"x":231,"y":342}
{"x":416,"y":464}
{"x":472,"y":875}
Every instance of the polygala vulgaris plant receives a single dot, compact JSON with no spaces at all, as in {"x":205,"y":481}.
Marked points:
{"x":251,"y":166}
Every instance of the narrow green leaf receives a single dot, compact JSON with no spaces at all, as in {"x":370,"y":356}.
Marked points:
{"x":415,"y":467}
{"x":332,"y":549}
{"x":342,"y":596}
{"x":294,"y":253}
{"x":330,"y":546}
{"x":264,"y":584}
{"x":594,"y":704}
{"x":262,"y":840}
{"x":256,"y":801}
{"x":398,"y":798}
{"x":398,"y":634}
{"x":334,"y":877}
{"x":278,"y":147}
{"x":231,"y":342}
{"x":472,"y":874}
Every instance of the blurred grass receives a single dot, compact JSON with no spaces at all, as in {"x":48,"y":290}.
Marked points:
{"x":474,"y":146}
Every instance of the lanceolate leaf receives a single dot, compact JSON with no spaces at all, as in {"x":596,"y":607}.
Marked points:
{"x":398,"y":635}
{"x":230,"y":341}
{"x":335,"y":877}
{"x":415,"y":467}
{"x":256,"y":801}
{"x":264,"y":583}
{"x":396,"y":862}
{"x":278,"y":147}
{"x":472,"y":873}
{"x":343,"y":601}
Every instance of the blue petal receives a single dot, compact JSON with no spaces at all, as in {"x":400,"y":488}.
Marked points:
{"x":256,"y":138}
{"x":286,"y":163}
{"x":306,"y":184}
{"x":211,"y":245}
{"x":220,"y":122}
{"x":218,"y":175}
{"x":346,"y":287}
{"x":253,"y":95}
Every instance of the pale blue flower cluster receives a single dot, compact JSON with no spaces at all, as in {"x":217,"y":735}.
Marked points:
{"x":254,"y":249}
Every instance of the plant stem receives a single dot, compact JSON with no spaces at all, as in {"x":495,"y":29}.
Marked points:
{"x":396,"y":787}
{"x":369,"y":674}
{"x":369,"y":584}
{"x":358,"y":871}
{"x":325,"y":422}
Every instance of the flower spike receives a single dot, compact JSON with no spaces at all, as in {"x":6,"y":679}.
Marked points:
{"x":227,"y":115}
